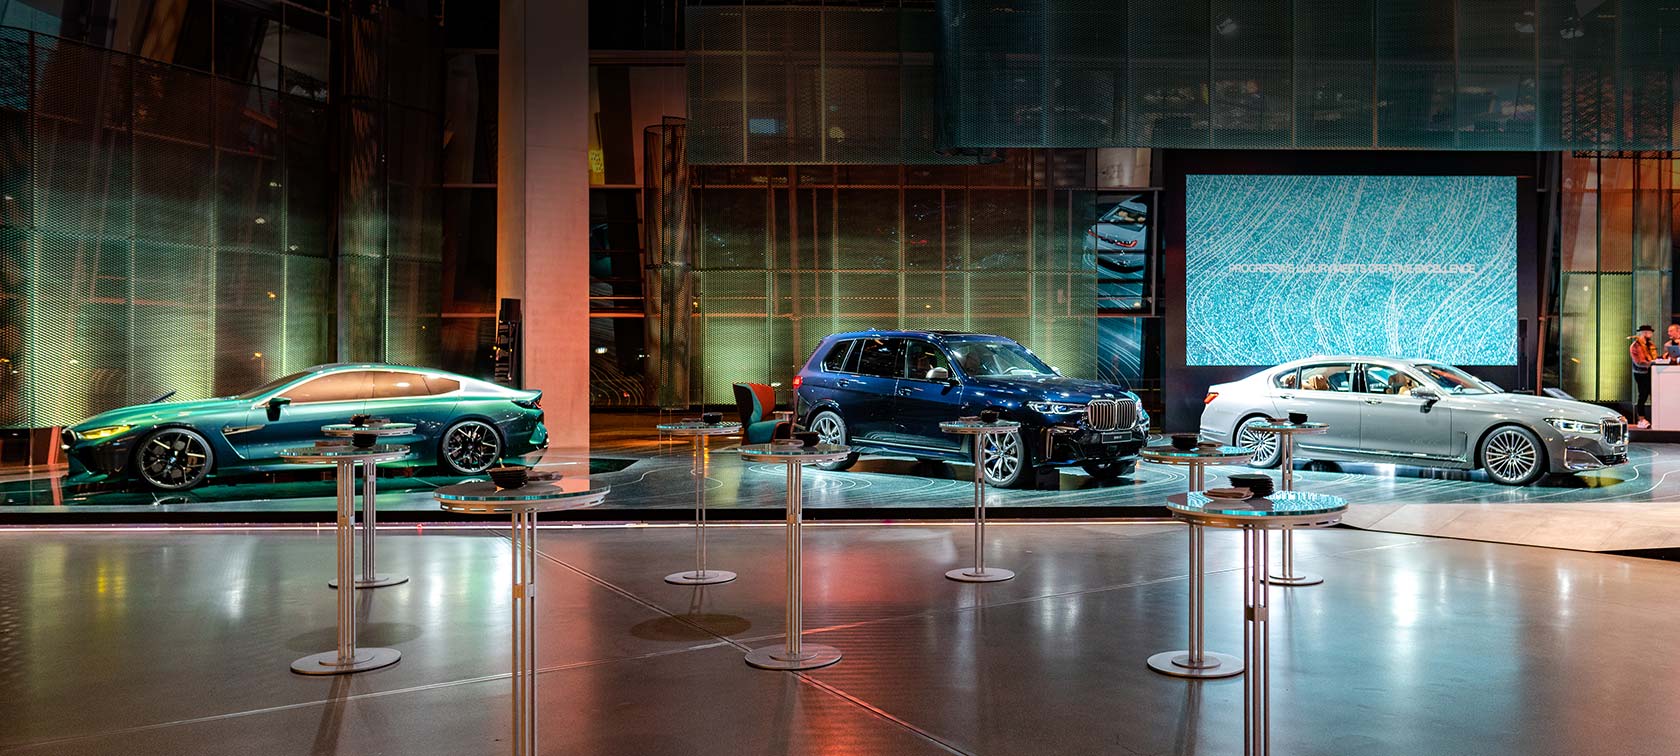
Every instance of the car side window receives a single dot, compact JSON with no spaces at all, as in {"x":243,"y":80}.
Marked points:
{"x":1289,"y":380}
{"x":436,"y":385}
{"x":1386,"y":380}
{"x":1337,"y":378}
{"x":921,"y":357}
{"x":835,"y":360}
{"x":390,"y":384}
{"x":879,"y":357}
{"x":350,"y":386}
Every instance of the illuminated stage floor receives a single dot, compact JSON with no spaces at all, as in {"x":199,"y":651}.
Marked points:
{"x":178,"y":642}
{"x":1619,"y":509}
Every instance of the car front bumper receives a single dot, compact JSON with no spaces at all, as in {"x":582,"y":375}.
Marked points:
{"x":1573,"y":453}
{"x":1061,"y":445}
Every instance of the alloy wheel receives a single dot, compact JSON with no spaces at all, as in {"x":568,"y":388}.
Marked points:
{"x":1264,"y":445}
{"x":1510,"y":456}
{"x":1001,"y":456}
{"x":173,"y":459}
{"x":829,"y":429}
{"x":471,"y":446}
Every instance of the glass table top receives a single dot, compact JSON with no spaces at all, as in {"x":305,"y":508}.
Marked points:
{"x":821,"y":452}
{"x":536,"y":489}
{"x":1278,"y":504}
{"x":383,"y":429}
{"x":976,"y":426}
{"x":1169,"y":453}
{"x":699,"y":428}
{"x":337,"y":452}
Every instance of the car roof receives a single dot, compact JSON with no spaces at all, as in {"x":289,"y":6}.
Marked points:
{"x":1346,"y":358}
{"x":937,"y":335}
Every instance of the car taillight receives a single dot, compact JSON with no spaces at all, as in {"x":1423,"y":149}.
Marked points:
{"x":1212,"y":395}
{"x":529,"y":403}
{"x":798,"y":380}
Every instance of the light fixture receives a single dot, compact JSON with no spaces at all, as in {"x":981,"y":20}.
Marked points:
{"x":600,"y":350}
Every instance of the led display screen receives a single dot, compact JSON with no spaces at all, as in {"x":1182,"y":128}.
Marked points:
{"x":1283,"y":267}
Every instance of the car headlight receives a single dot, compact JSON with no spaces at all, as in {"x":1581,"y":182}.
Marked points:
{"x":1143,"y":418}
{"x":1573,"y":426}
{"x":105,"y":432}
{"x":1055,"y":408}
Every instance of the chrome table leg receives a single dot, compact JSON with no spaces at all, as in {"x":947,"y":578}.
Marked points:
{"x":795,"y":653}
{"x":346,"y":658}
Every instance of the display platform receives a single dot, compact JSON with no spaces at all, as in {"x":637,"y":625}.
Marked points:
{"x":651,"y":481}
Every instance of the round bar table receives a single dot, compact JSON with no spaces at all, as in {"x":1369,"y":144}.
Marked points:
{"x":1195,"y":661}
{"x":370,"y":513}
{"x":1286,"y":433}
{"x":1283,"y":509}
{"x":794,"y":654}
{"x":980,"y":573}
{"x":523,"y":503}
{"x":347,"y":658}
{"x":702,"y":434}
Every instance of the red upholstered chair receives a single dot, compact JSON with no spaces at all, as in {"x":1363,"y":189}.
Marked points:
{"x":756,"y":402}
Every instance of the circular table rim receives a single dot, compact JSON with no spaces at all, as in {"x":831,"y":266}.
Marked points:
{"x":768,"y":453}
{"x":375,"y":453}
{"x":504,"y":504}
{"x":700,"y":429}
{"x":1265,"y":520}
{"x":1200,"y":459}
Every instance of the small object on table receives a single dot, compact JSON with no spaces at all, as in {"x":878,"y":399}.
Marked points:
{"x":711,"y":418}
{"x":1297,"y":417}
{"x":795,"y":654}
{"x":988,"y":416}
{"x":702,"y":433}
{"x":980,"y":429}
{"x":360,"y":421}
{"x":480,"y":497}
{"x":348,"y":658}
{"x":1285,"y":509}
{"x":1259,"y":483}
{"x":1185,"y":441}
{"x":1235,"y":494}
{"x":364,"y":440}
{"x":1278,"y":420}
{"x":808,"y":438}
{"x":509,"y":476}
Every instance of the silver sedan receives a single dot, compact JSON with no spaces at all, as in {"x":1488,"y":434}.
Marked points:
{"x":1415,"y":412}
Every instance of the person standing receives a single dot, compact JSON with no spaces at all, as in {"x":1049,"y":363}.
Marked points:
{"x":1643,"y":351}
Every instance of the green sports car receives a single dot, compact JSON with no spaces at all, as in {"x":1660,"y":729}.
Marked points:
{"x":463,"y":425}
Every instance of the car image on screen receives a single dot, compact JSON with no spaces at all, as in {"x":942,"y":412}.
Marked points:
{"x":463,"y":425}
{"x":1415,"y":412}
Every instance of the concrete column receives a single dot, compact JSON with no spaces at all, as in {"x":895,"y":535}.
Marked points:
{"x":542,"y":203}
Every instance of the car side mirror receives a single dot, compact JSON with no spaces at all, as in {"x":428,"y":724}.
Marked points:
{"x":938,"y":374}
{"x":1426,"y":394}
{"x":1056,"y":370}
{"x":274,"y":406}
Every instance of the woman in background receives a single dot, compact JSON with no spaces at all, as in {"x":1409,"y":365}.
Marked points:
{"x":1643,"y":352}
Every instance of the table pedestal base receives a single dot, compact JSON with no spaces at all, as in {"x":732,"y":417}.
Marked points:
{"x":326,"y":663}
{"x":1213,"y":665}
{"x":981,"y":575}
{"x":377,"y":581}
{"x":809,"y":656}
{"x":700,"y":577}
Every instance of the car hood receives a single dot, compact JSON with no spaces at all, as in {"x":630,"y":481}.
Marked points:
{"x":1535,"y":406}
{"x":149,"y":414}
{"x":1053,"y":388}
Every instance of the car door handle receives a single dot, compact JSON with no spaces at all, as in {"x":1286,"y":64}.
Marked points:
{"x":1373,"y":401}
{"x":843,"y":382}
{"x":1286,"y":396}
{"x":904,"y":392}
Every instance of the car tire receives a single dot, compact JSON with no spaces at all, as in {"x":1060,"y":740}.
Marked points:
{"x":1512,"y":455}
{"x":1110,"y":470}
{"x":1006,"y":460}
{"x":470,"y":447}
{"x":831,"y":429}
{"x":173,"y":459}
{"x":1264,"y":445}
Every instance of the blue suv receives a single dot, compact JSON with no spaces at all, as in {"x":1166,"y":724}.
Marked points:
{"x":888,"y":391}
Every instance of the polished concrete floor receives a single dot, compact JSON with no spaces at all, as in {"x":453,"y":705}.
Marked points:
{"x":177,"y":642}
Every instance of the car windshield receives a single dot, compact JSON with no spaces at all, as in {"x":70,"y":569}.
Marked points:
{"x":979,"y":358}
{"x":1124,"y":214}
{"x":1452,"y":379}
{"x":271,"y":385}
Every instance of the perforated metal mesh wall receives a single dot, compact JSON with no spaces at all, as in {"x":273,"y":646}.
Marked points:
{"x":786,"y":256}
{"x":1435,"y":74}
{"x":166,"y":230}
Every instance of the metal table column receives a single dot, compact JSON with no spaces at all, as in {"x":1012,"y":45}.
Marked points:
{"x":346,"y":658}
{"x":1195,"y":661}
{"x":794,"y":654}
{"x":702,"y":434}
{"x":1283,"y":509}
{"x":1285,"y":434}
{"x":370,"y":577}
{"x":980,"y":431}
{"x":523,"y":503}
